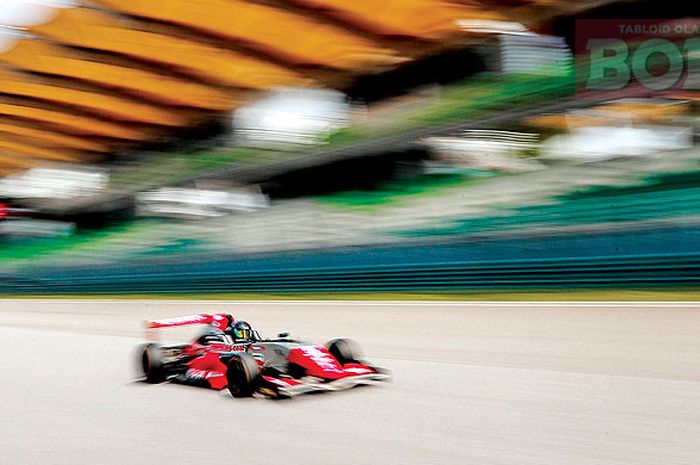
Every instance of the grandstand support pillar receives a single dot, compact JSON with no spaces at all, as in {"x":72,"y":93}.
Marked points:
{"x":228,"y":138}
{"x":490,"y":54}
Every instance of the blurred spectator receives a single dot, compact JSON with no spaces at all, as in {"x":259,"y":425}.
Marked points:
{"x":495,"y":150}
{"x":289,"y":117}
{"x":51,"y":183}
{"x":199,"y":203}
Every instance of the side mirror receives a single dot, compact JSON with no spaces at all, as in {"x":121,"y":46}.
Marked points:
{"x":285,"y":334}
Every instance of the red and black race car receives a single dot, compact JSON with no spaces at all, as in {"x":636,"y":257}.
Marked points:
{"x":230,"y":354}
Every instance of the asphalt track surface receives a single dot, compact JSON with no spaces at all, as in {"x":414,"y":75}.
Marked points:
{"x":473,"y":383}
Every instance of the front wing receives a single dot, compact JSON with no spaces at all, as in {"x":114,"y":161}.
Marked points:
{"x":288,"y":387}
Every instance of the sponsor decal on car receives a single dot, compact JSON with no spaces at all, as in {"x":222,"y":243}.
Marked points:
{"x":321,"y":358}
{"x":227,"y":348}
{"x":358,"y":370}
{"x":203,"y":374}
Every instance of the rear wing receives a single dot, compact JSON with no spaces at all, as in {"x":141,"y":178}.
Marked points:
{"x":219,"y":320}
{"x":180,"y":321}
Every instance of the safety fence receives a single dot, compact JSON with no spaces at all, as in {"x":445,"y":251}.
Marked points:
{"x":667,"y":256}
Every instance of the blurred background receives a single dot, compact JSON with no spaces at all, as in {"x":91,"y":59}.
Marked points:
{"x":334,"y":145}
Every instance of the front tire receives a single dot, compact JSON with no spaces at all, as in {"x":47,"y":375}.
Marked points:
{"x":242,"y":375}
{"x":344,"y":350}
{"x":151,"y":363}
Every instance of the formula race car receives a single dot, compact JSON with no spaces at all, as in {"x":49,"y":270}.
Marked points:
{"x":230,"y":354}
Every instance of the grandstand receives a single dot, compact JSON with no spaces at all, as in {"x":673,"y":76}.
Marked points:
{"x":124,"y":83}
{"x":602,"y":196}
{"x":128,"y":63}
{"x":461,"y":125}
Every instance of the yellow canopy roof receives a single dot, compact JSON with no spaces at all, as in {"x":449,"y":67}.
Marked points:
{"x":611,"y":113}
{"x":423,"y":19}
{"x":104,"y":104}
{"x":73,"y":123}
{"x":11,"y":163}
{"x":26,"y":147}
{"x":296,"y":38}
{"x":49,"y":138}
{"x":644,"y":111}
{"x":33,"y":55}
{"x":87,"y":28}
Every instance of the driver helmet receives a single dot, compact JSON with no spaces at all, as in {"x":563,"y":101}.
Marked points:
{"x":242,"y":331}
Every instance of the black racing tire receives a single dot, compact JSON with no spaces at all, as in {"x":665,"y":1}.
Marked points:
{"x":151,"y":363}
{"x":344,"y":350}
{"x":242,"y":375}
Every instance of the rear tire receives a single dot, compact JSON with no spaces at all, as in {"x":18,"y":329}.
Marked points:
{"x":344,"y":350}
{"x":242,"y":375}
{"x":151,"y":363}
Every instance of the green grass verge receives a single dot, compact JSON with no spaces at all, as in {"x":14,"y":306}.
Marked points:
{"x":55,"y":246}
{"x":395,"y":191}
{"x":108,"y":240}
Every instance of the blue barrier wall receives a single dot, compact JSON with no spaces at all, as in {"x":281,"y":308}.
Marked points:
{"x":654,"y":257}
